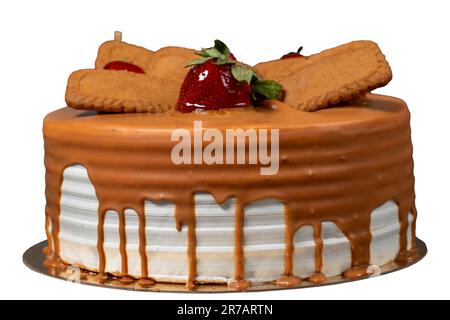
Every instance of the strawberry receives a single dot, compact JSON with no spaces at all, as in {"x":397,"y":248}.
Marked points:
{"x":124,"y":66}
{"x":212,"y":86}
{"x":217,"y":80}
{"x":293,"y":54}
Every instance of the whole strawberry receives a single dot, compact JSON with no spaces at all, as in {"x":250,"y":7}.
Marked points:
{"x":293,"y":54}
{"x":217,"y":80}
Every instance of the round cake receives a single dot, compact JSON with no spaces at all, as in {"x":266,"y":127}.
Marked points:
{"x":342,"y":198}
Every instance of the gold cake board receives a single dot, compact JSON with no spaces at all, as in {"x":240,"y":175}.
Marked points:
{"x":34,"y":259}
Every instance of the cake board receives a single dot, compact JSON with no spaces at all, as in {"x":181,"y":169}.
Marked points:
{"x":34,"y":259}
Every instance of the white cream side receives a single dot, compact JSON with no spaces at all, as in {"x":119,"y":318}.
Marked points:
{"x":264,"y":242}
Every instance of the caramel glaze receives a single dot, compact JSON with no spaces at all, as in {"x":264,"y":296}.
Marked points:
{"x":336,"y":164}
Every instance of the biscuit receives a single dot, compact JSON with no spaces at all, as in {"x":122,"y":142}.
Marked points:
{"x":117,"y":50}
{"x":167,"y":62}
{"x":170,"y":62}
{"x":334,"y":75}
{"x":120,"y":91}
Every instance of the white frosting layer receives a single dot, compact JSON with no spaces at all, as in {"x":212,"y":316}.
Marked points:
{"x":264,"y":230}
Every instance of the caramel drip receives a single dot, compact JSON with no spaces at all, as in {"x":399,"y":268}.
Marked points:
{"x":239,"y":283}
{"x":413,"y":254}
{"x":47,"y":252}
{"x":49,"y":248}
{"x":288,"y":279}
{"x":239,"y":242}
{"x":142,"y":244}
{"x":192,"y":257}
{"x":101,"y":242}
{"x":289,"y":243}
{"x":319,"y":247}
{"x":404,"y":255}
{"x":53,"y":184}
{"x":185,"y":215}
{"x":336,"y":164}
{"x":403,"y":217}
{"x":146,"y":282}
{"x":318,"y":276}
{"x":356,"y":272}
{"x":123,"y":242}
{"x":361,"y":252}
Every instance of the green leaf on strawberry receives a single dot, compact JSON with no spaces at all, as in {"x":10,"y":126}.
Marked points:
{"x":212,"y":52}
{"x":220,"y":52}
{"x":198,"y":61}
{"x":268,"y":89}
{"x":224,"y":60}
{"x":242,"y":73}
{"x":222,"y":47}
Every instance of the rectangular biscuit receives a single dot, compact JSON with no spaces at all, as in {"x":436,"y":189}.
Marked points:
{"x":334,"y":75}
{"x":167,"y":62}
{"x":120,"y":91}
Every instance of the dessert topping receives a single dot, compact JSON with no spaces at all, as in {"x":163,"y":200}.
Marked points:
{"x":123,"y":66}
{"x":292,"y":54}
{"x":217,"y":80}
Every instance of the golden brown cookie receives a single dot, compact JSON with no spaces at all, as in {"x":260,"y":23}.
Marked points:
{"x":167,"y":62}
{"x":117,"y":50}
{"x":334,"y":75}
{"x":120,"y":91}
{"x":170,"y":62}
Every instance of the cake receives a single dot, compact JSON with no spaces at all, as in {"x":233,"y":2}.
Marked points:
{"x":331,"y":192}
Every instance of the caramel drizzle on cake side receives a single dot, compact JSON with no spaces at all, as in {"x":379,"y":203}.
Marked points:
{"x":377,"y":167}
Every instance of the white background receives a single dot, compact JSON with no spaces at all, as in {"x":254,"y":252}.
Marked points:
{"x":41,"y":42}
